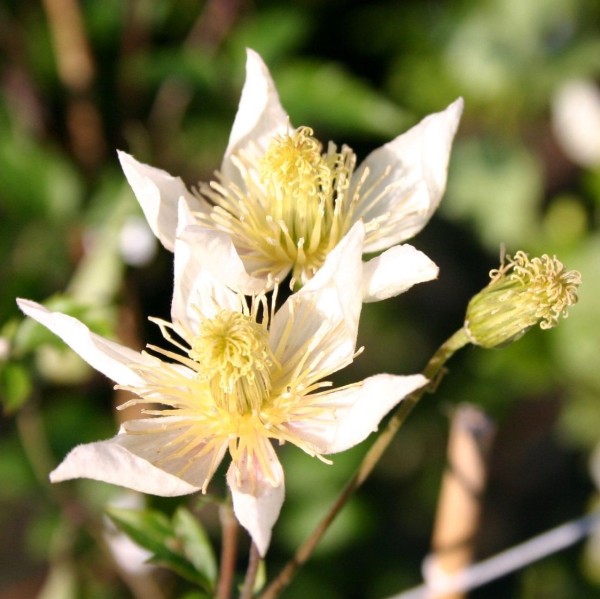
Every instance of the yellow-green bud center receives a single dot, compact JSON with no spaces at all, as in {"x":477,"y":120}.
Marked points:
{"x":521,"y":293}
{"x":233,"y":354}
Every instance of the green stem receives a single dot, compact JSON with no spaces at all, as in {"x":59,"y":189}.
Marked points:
{"x":431,"y":371}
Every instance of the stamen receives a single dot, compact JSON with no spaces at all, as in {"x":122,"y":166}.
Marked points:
{"x":521,"y":293}
{"x":233,"y":355}
{"x":294,"y":207}
{"x":223,"y":387}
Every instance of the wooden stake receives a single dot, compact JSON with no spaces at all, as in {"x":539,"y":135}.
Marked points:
{"x":459,"y":506}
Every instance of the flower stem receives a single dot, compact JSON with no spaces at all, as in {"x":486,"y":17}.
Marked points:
{"x":253,"y":563}
{"x":229,"y":527}
{"x":431,"y":371}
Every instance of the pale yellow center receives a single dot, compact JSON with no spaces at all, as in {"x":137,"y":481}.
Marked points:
{"x":233,"y":355}
{"x":293,"y":208}
{"x":226,"y":389}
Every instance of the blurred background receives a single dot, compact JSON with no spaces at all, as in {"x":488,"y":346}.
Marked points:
{"x":161,"y":79}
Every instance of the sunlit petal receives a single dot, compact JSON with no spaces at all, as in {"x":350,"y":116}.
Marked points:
{"x":352,"y":413}
{"x":111,"y":359}
{"x":257,"y":500}
{"x":109,"y":461}
{"x":260,"y":115}
{"x":159,"y":193}
{"x":395,"y":271}
{"x":406,"y":179}
{"x":323,"y":316}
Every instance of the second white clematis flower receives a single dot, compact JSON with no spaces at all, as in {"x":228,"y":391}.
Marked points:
{"x":236,"y":377}
{"x":285,"y":202}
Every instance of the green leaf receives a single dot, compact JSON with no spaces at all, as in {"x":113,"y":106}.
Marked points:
{"x":15,"y":386}
{"x":148,"y":528}
{"x":153,"y":531}
{"x":178,"y":564}
{"x":326,"y":94}
{"x":195,"y":543}
{"x":197,"y":595}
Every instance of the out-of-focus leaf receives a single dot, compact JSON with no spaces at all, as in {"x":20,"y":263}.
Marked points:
{"x":261,"y":576}
{"x":196,"y":595}
{"x":61,"y":582}
{"x":273,"y":33}
{"x":153,"y":531}
{"x":148,"y":528}
{"x":36,"y":181}
{"x":326,"y":94}
{"x":497,"y":189}
{"x":565,"y":221}
{"x":15,"y":386}
{"x":195,"y":544}
{"x":15,"y":471}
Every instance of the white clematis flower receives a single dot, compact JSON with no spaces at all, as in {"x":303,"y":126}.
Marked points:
{"x":285,"y":203}
{"x":238,"y":376}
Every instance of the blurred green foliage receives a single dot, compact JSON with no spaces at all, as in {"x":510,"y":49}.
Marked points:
{"x":162,"y":81}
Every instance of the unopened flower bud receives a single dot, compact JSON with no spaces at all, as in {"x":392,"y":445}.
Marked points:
{"x":521,"y":294}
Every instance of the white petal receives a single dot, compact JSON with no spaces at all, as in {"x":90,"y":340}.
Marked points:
{"x":355,"y":411}
{"x":260,"y":115}
{"x":324,"y":314}
{"x":215,"y":251}
{"x":111,"y":359}
{"x":201,"y":255}
{"x":257,"y":501}
{"x":160,"y":442}
{"x":110,"y":462}
{"x":405,"y":198}
{"x":342,"y":271}
{"x":395,"y":271}
{"x":158,"y":193}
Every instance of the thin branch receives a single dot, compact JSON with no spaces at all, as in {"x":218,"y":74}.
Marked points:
{"x":431,"y":371}
{"x":76,"y":71}
{"x":229,"y":527}
{"x":251,"y":572}
{"x":206,"y":35}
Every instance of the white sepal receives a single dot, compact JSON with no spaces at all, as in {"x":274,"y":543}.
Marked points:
{"x":159,"y":193}
{"x":108,"y":357}
{"x":257,"y":500}
{"x":395,"y":271}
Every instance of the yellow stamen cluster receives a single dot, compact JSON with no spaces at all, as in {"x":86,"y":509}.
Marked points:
{"x":522,"y":292}
{"x":293,"y":207}
{"x":233,"y":355}
{"x":225,"y":389}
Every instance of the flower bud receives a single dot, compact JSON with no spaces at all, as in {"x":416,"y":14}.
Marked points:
{"x":521,"y":294}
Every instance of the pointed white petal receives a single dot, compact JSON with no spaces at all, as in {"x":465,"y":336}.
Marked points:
{"x":111,"y":359}
{"x":172,"y":444}
{"x":257,"y":501}
{"x":406,"y":179}
{"x":342,"y":270}
{"x":260,"y":115}
{"x":218,"y":254}
{"x":158,"y":193}
{"x":110,"y":462}
{"x":323,"y":316}
{"x":395,"y":271}
{"x":355,"y":411}
{"x":205,"y":261}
